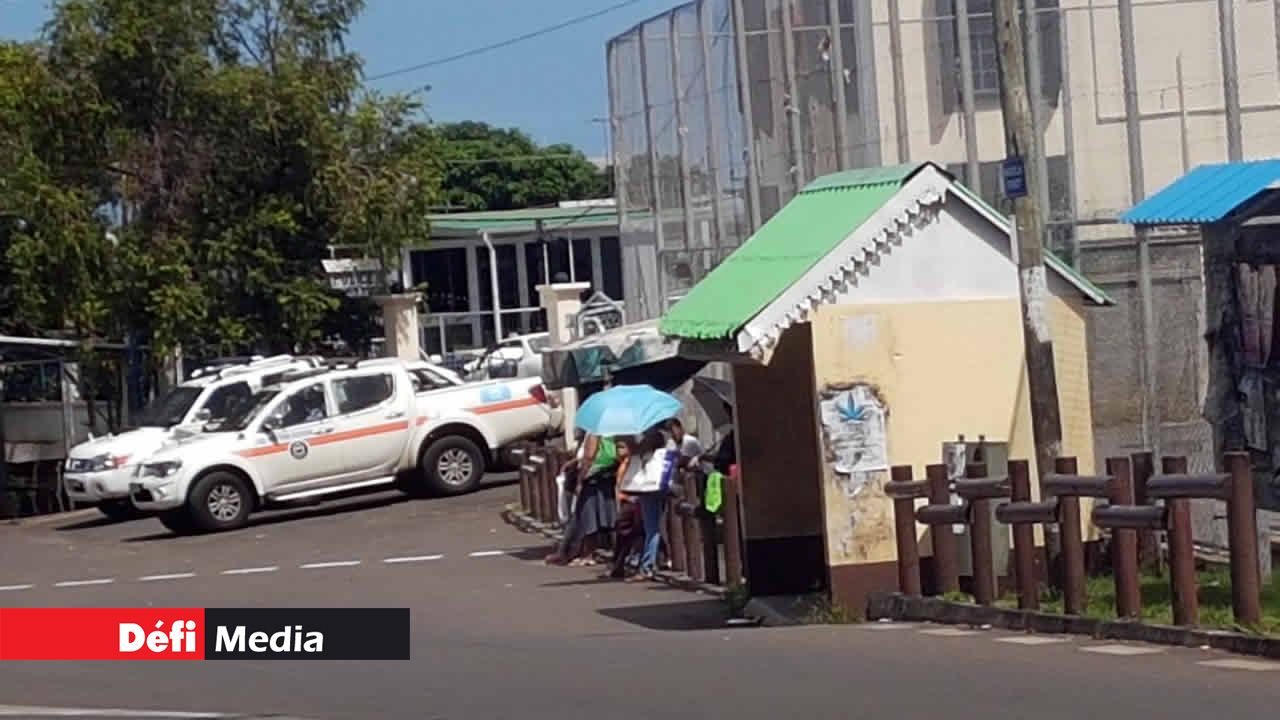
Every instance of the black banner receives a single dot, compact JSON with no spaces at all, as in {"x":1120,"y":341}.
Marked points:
{"x":306,"y":633}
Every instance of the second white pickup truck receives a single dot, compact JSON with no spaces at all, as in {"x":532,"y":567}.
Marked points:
{"x":325,"y":432}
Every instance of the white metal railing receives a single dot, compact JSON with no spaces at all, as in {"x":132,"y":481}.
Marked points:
{"x":435,"y":326}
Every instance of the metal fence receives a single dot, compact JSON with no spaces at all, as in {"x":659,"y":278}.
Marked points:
{"x":721,"y":110}
{"x":834,"y":84}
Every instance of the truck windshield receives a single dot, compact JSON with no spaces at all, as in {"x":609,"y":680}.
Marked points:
{"x":244,"y":413}
{"x":171,"y":408}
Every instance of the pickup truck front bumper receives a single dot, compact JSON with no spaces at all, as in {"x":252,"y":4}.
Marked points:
{"x":95,"y":487}
{"x":154,"y":494}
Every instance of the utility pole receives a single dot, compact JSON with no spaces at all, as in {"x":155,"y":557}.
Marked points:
{"x":1015,"y":104}
{"x":1138,"y":193}
{"x":1230,"y":79}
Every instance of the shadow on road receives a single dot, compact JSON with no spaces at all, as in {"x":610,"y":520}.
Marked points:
{"x":539,"y":552}
{"x":96,"y":522}
{"x":274,"y":517}
{"x":692,"y":615}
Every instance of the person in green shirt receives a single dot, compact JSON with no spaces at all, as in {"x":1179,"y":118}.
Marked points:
{"x":594,"y":506}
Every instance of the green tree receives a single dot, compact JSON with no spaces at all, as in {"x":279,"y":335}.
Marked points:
{"x":488,"y":168}
{"x":231,"y":144}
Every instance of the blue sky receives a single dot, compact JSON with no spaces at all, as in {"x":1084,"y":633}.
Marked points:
{"x":550,"y":86}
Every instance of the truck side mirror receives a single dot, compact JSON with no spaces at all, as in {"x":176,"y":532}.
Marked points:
{"x":203,"y":415}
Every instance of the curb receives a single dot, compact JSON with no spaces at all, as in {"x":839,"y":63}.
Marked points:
{"x":772,"y":616}
{"x":525,"y":523}
{"x":51,"y":518}
{"x":896,"y":606}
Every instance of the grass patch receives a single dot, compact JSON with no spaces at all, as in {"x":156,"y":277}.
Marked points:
{"x":827,"y":613}
{"x":1157,"y":602}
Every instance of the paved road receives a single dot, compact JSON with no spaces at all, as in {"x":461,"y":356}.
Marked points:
{"x":497,"y":635}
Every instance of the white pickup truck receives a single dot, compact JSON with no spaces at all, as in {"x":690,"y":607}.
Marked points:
{"x":98,"y":471}
{"x":325,"y":432}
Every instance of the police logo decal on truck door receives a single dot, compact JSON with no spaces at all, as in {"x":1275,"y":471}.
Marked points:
{"x":298,"y":450}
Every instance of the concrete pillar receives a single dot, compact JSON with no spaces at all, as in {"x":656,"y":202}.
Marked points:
{"x":562,"y":301}
{"x":400,"y":325}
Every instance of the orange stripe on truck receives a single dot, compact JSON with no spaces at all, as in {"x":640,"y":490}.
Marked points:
{"x":260,"y":451}
{"x":327,"y":439}
{"x":362,"y":432}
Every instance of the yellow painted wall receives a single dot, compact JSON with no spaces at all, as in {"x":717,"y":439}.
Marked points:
{"x":941,"y":369}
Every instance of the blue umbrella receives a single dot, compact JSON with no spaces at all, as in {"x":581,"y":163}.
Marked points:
{"x":626,"y":410}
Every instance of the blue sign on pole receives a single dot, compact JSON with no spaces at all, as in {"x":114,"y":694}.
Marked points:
{"x":1014,"y":174}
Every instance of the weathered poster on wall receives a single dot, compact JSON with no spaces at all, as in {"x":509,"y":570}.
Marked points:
{"x":853,"y":421}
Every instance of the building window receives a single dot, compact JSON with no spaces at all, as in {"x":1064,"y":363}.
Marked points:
{"x":983,"y":52}
{"x":982,"y":48}
{"x":445,"y":273}
{"x":508,"y":276}
{"x":611,"y":267}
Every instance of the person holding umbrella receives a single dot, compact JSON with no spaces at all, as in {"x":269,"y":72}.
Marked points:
{"x":635,"y":414}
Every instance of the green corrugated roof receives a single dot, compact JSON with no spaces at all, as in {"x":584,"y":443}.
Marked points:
{"x":522,"y":221}
{"x":809,"y":227}
{"x":789,"y":244}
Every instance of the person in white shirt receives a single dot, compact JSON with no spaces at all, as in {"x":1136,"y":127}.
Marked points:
{"x":688,"y":445}
{"x":648,"y":474}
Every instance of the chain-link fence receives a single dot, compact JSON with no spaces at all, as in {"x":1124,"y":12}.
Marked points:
{"x":722,"y":110}
{"x":835,"y":84}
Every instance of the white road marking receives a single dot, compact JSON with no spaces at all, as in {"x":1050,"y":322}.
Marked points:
{"x":1031,"y":640}
{"x":1242,"y":664}
{"x":81,"y":583}
{"x":169,"y":576}
{"x":38,"y":711}
{"x":15,"y":587}
{"x":1124,"y":650}
{"x":949,"y":632}
{"x":251,"y":570}
{"x":887,"y":626}
{"x":334,"y":564}
{"x":411,"y":559}
{"x":488,"y":553}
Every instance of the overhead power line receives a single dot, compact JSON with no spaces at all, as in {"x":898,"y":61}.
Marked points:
{"x":505,"y":43}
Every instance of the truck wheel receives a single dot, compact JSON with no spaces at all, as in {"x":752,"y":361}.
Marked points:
{"x":119,"y":509}
{"x":453,"y":465}
{"x":220,"y":501}
{"x":177,"y":521}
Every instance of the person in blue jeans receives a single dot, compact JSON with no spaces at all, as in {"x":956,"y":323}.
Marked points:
{"x":650,"y":469}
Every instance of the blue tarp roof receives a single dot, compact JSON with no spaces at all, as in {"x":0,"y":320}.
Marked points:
{"x":1206,"y":195}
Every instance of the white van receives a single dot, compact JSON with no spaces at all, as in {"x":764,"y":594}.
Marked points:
{"x":98,"y":471}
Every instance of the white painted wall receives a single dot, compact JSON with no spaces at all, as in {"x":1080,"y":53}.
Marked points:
{"x":959,"y":256}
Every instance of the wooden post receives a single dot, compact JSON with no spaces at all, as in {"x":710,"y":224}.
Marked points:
{"x":984,"y":576}
{"x":1182,"y":559}
{"x":1124,"y":544}
{"x":693,"y":529}
{"x":1024,"y":540}
{"x":1042,"y":382}
{"x":1242,"y":536}
{"x":732,"y":530}
{"x":944,"y":541}
{"x":1148,"y":547}
{"x":904,"y":523}
{"x":1073,"y":577}
{"x":675,"y":531}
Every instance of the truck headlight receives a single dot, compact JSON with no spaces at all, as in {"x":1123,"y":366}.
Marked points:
{"x":161,"y":469}
{"x":98,"y":463}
